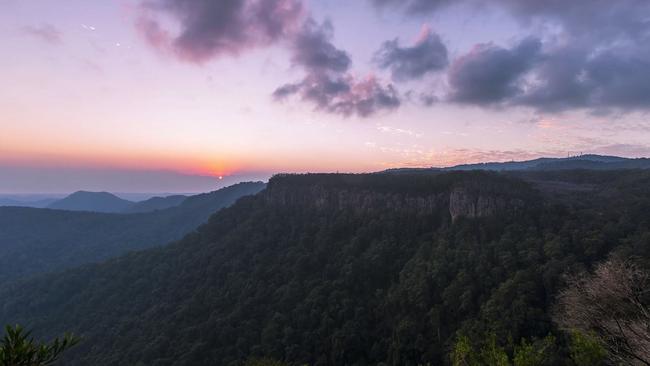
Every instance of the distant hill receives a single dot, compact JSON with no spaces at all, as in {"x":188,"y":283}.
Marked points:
{"x":40,"y":203}
{"x":367,"y":269}
{"x":154,"y":204}
{"x":589,"y":161}
{"x":92,"y":202}
{"x":43,"y":240}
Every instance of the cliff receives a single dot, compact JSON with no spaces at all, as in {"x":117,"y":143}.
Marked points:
{"x":471,"y":194}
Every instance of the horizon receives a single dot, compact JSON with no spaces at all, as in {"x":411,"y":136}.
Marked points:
{"x":170,"y":95}
{"x":227,"y":181}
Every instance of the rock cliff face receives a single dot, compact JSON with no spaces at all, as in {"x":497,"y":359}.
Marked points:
{"x":464,"y":203}
{"x":358,"y":201}
{"x":458,"y":199}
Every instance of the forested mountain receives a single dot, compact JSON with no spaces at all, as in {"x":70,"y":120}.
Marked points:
{"x":44,"y":240}
{"x":22,"y":202}
{"x":347,"y":270}
{"x":155,"y":203}
{"x":587,"y":161}
{"x":91,"y":201}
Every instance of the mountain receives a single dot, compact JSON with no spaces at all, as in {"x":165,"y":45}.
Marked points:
{"x":347,"y":270}
{"x":36,"y":241}
{"x":154,"y":204}
{"x":39,"y":203}
{"x":92,"y":202}
{"x":588,"y":161}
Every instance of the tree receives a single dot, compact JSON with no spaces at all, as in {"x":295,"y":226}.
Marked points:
{"x":463,"y":353}
{"x":613,"y":304}
{"x":17,"y":348}
{"x":534,"y":353}
{"x":264,"y":362}
{"x":586,"y":350}
{"x":529,"y":353}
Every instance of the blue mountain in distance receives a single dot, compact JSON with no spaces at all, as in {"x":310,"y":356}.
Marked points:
{"x":588,"y":161}
{"x":37,"y":240}
{"x":40,"y":203}
{"x":155,"y":204}
{"x":92,"y":201}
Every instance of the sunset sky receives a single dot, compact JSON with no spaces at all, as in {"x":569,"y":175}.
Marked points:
{"x":169,"y":95}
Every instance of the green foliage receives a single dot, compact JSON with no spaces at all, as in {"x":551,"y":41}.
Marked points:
{"x":34,"y":241}
{"x":17,"y":348}
{"x":348,"y":270}
{"x":534,"y":353}
{"x":492,"y":354}
{"x":463,"y":353}
{"x":264,"y":362}
{"x":586,"y":350}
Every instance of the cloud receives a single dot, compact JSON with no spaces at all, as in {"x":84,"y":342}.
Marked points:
{"x":45,"y":32}
{"x":342,"y":94}
{"x":490,"y":74}
{"x":428,"y":54}
{"x":600,"y":17}
{"x":553,"y":79}
{"x":593,"y":56}
{"x":599,"y":81}
{"x":399,"y":131}
{"x":209,"y":28}
{"x":327,"y":83}
{"x":413,"y":6}
{"x":428,"y":99}
{"x":313,"y":50}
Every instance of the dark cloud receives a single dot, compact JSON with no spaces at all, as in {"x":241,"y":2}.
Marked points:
{"x":552,"y":80}
{"x":210,"y":28}
{"x":407,"y":63}
{"x":559,"y":82}
{"x":596,"y":59}
{"x":615,"y":79}
{"x":343,"y":95}
{"x":619,"y":79}
{"x":313,"y":50}
{"x":414,"y":6}
{"x":45,"y":32}
{"x":490,"y":74}
{"x":603,"y":19}
{"x":327,"y":83}
{"x":428,"y":99}
{"x":576,"y":16}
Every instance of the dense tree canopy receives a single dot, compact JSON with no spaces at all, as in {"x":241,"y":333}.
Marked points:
{"x":350,"y":270}
{"x":34,"y":241}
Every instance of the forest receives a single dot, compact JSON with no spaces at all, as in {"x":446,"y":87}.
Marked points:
{"x":370,"y":269}
{"x":35,"y":241}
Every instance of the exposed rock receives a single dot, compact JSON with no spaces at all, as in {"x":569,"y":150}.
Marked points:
{"x":357,"y":201}
{"x":463,"y":202}
{"x":465,"y":198}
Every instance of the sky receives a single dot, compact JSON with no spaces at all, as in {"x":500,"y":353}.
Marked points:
{"x":191,"y":95}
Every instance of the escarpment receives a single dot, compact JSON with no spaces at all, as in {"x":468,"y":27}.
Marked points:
{"x":471,"y":195}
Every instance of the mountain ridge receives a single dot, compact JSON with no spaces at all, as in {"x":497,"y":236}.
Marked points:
{"x":104,"y":202}
{"x":587,"y":161}
{"x":326,"y":270}
{"x":34,"y":241}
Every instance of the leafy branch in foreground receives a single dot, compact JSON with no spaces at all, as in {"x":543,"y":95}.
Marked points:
{"x":613,"y":306}
{"x":17,"y":348}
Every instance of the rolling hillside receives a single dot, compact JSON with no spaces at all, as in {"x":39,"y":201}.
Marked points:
{"x":346,"y":270}
{"x":36,"y":241}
